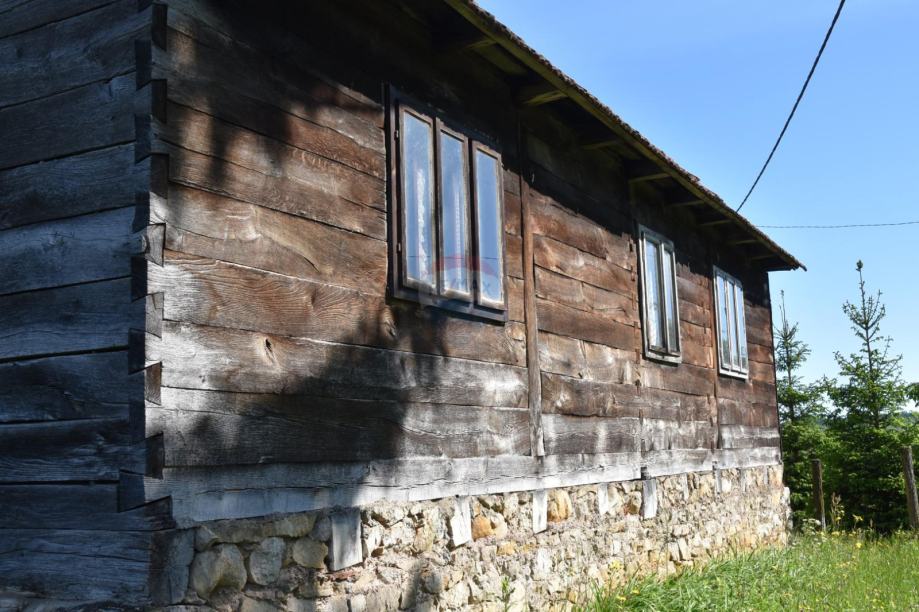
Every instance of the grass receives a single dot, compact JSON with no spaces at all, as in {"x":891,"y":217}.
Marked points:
{"x":837,"y":571}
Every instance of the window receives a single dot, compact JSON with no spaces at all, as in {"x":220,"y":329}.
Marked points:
{"x":659,"y":297}
{"x":447,"y":214}
{"x":732,"y":330}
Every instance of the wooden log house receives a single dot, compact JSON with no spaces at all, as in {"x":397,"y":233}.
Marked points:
{"x":271,"y":257}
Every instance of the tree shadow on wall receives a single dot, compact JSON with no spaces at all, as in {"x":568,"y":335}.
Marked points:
{"x":289,"y":368}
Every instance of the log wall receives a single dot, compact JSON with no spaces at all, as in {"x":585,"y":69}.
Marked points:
{"x":277,"y":342}
{"x":198,"y":324}
{"x":71,"y":411}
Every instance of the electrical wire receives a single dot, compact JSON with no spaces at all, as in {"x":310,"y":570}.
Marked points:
{"x":795,"y":107}
{"x":838,"y":226}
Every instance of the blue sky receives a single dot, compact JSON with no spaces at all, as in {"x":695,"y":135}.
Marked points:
{"x":711,"y":83}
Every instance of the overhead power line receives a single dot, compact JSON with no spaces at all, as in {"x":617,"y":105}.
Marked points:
{"x":794,"y":108}
{"x":838,"y":226}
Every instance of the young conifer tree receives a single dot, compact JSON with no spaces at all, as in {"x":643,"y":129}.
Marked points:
{"x":801,"y":415}
{"x":869,"y":398}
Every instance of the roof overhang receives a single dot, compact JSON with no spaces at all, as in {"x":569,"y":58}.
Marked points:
{"x":552,"y":84}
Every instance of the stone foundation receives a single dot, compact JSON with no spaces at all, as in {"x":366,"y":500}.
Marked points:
{"x":542,"y":550}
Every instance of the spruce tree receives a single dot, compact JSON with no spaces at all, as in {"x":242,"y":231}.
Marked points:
{"x":867,"y":420}
{"x":800,"y":412}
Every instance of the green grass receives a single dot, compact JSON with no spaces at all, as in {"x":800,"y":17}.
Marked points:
{"x":818,"y":572}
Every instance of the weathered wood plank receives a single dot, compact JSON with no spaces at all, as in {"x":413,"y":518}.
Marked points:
{"x":580,"y":397}
{"x":98,"y":115}
{"x":570,"y":292}
{"x":93,"y":46}
{"x":563,"y":259}
{"x":745,"y":436}
{"x":686,"y":378}
{"x":267,"y":55}
{"x":232,"y":360}
{"x":208,"y":225}
{"x":277,"y":191}
{"x":534,"y":385}
{"x":74,"y":185}
{"x":68,"y":251}
{"x":275,"y":105}
{"x":215,"y":428}
{"x":113,"y":566}
{"x":201,"y":494}
{"x":659,"y":434}
{"x":552,"y":220}
{"x":68,"y":387}
{"x":86,"y":449}
{"x":694,"y":293}
{"x":93,"y":316}
{"x":572,"y":434}
{"x":214,"y":293}
{"x":202,"y":133}
{"x":592,"y":326}
{"x":92,"y":506}
{"x":28,"y":14}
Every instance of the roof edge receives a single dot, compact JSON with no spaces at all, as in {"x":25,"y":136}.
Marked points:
{"x":489,"y":25}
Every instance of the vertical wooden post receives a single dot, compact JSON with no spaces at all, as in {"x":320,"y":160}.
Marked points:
{"x":912,"y":500}
{"x":817,"y":472}
{"x":532,"y":329}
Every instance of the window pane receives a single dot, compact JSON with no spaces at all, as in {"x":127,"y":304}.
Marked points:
{"x":671,"y":310}
{"x":454,"y":215}
{"x":723,"y":322}
{"x":741,"y":328}
{"x":653,"y":294}
{"x":732,"y":316}
{"x":488,"y":217}
{"x":418,"y":200}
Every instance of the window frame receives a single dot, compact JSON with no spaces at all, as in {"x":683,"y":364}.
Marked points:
{"x":725,"y":367}
{"x":397,"y":104}
{"x":664,"y":353}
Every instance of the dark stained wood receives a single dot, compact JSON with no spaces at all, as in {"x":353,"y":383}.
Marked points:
{"x":276,"y":191}
{"x":595,"y":327}
{"x":534,"y":384}
{"x":91,"y":506}
{"x":65,"y":388}
{"x":214,"y":293}
{"x":87,"y":449}
{"x":196,"y":131}
{"x":19,"y":16}
{"x":569,"y":261}
{"x":230,"y":360}
{"x":208,"y":225}
{"x":210,"y":428}
{"x":276,"y":105}
{"x":584,"y":397}
{"x":84,"y":564}
{"x":570,"y":292}
{"x":552,"y":220}
{"x":98,"y":115}
{"x":69,"y":251}
{"x":74,"y":185}
{"x":93,"y":316}
{"x":93,"y":46}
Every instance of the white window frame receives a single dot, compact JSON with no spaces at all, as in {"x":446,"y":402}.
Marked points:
{"x":672,"y":352}
{"x":738,"y":346}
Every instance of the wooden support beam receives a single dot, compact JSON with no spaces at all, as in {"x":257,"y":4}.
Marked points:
{"x":600,"y":143}
{"x":742,"y":241}
{"x":715,"y":223}
{"x":909,"y":477}
{"x":538,"y":94}
{"x":467,"y":43}
{"x":686,"y":204}
{"x":644,"y":170}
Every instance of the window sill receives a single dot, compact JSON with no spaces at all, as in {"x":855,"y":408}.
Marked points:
{"x":735,"y":375}
{"x":663,"y":358}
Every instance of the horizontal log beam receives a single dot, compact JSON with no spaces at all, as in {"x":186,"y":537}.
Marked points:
{"x":715,"y":223}
{"x":686,"y":203}
{"x":537,"y":95}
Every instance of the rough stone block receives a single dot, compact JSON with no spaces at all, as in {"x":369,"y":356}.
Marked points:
{"x":460,"y":523}
{"x":602,"y":499}
{"x":265,"y":561}
{"x":346,"y":539}
{"x":309,"y":553}
{"x":648,"y":498}
{"x":221,"y":566}
{"x":540,"y":504}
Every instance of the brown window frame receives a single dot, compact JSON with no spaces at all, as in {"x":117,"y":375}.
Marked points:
{"x":473,"y":303}
{"x":672,"y":351}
